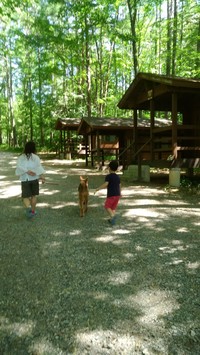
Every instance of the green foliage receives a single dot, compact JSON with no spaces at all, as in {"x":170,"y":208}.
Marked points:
{"x":68,"y":58}
{"x":7,"y":148}
{"x":186,"y":182}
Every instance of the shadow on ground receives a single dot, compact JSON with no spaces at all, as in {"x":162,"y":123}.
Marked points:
{"x":72,"y":285}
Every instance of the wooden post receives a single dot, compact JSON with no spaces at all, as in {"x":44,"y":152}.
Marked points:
{"x":102,"y":155}
{"x":64,"y":140}
{"x":92,"y":149}
{"x":139,"y":168}
{"x":86,"y":149}
{"x":61,"y":145}
{"x":174,"y":125}
{"x":135,"y":133}
{"x":98,"y":147}
{"x":152,"y":121}
{"x":69,"y":146}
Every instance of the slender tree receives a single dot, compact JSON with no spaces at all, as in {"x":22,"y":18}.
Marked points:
{"x":64,"y":58}
{"x":132,"y":7}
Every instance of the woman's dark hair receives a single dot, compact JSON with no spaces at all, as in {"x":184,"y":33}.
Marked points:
{"x":113,"y":165}
{"x":29,"y":148}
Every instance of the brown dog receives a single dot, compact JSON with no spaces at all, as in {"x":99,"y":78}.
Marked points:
{"x":83,"y":195}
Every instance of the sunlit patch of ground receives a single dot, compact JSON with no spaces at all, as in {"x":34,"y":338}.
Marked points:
{"x":78,"y":286}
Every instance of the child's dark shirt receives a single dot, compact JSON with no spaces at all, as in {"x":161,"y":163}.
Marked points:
{"x":113,"y":188}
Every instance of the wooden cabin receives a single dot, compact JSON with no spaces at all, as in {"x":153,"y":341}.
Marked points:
{"x":105,"y":138}
{"x":168,"y":137}
{"x":177,"y":98}
{"x":115,"y":137}
{"x":69,"y":143}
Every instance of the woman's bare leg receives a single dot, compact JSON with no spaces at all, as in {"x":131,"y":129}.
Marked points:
{"x":33,"y":203}
{"x":27,"y":202}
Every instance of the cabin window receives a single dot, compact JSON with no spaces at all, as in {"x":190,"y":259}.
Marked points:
{"x":109,"y":139}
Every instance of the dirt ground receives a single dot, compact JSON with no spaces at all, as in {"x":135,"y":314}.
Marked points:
{"x":72,"y":285}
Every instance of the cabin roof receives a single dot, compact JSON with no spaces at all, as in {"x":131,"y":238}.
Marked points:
{"x":105,"y":123}
{"x":67,"y":124}
{"x":94,"y":124}
{"x":147,"y":86}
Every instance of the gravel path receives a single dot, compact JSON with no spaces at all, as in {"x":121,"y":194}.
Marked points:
{"x":72,"y":285}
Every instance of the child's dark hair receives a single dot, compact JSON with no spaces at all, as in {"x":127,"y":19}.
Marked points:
{"x":30,"y":148}
{"x":113,"y":165}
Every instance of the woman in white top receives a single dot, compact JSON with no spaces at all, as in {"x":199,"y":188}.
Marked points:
{"x":30,"y":170}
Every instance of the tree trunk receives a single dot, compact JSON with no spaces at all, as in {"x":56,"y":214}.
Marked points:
{"x":133,"y":17}
{"x":30,"y":109}
{"x":198,"y":50}
{"x":169,"y":37}
{"x":174,"y":50}
{"x":88,"y":72}
{"x":12,"y":136}
{"x":40,"y":100}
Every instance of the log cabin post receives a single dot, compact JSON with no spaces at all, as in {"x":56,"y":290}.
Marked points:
{"x":152,"y":122}
{"x":69,"y":147}
{"x":174,"y":125}
{"x":98,"y":147}
{"x":61,"y":145}
{"x":89,"y":148}
{"x":64,"y":140}
{"x":86,"y":149}
{"x":92,"y":149}
{"x":135,"y":133}
{"x":139,"y":167}
{"x":135,"y":140}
